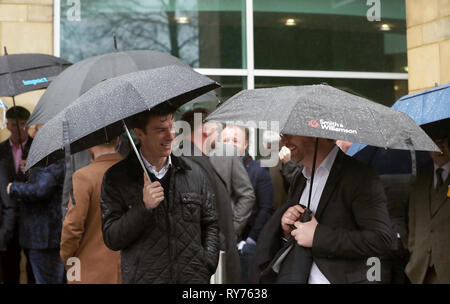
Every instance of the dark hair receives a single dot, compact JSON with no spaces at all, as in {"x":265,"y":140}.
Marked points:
{"x":438,"y":129}
{"x":141,"y":119}
{"x":18,"y":112}
{"x":188,"y":116}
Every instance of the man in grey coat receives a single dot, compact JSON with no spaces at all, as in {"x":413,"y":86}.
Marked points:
{"x":429,"y":214}
{"x":229,"y":166}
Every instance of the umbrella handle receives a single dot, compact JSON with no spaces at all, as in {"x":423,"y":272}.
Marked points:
{"x":136,"y":151}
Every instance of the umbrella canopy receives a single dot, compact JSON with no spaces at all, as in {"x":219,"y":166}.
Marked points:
{"x":425,"y":108}
{"x":83,"y":75}
{"x":325,"y":112}
{"x":20,"y":73}
{"x":97,"y":116}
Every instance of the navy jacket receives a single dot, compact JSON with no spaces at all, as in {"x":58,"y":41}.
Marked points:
{"x":39,"y":201}
{"x":7,"y":209}
{"x":263,"y":208}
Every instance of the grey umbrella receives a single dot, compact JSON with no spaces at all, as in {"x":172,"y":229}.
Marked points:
{"x":20,"y":73}
{"x":98,"y":115}
{"x":320,"y":111}
{"x":83,"y":75}
{"x":325,"y":112}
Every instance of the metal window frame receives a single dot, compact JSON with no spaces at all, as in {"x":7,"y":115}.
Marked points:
{"x":250,"y":72}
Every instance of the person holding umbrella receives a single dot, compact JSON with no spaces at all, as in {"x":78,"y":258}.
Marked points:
{"x":166,"y":228}
{"x":350,"y":222}
{"x":429,"y":213}
{"x":348,"y":234}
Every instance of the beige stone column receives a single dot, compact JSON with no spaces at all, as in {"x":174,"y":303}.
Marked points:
{"x":428,"y":42}
{"x":26,"y":26}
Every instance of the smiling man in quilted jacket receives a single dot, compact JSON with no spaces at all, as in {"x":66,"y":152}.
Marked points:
{"x":167,"y":228}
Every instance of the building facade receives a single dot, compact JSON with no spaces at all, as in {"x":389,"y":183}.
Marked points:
{"x":378,"y":49}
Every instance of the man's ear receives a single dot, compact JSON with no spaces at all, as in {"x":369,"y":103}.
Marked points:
{"x":139,"y":133}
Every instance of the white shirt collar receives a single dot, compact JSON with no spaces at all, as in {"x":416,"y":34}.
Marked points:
{"x":152,"y":168}
{"x":326,"y":164}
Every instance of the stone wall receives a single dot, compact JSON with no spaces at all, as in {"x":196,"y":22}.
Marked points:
{"x":428,"y":42}
{"x":26,"y":26}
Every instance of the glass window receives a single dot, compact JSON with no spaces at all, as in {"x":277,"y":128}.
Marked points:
{"x":331,"y":35}
{"x":231,"y":85}
{"x":203,"y":33}
{"x":379,"y":90}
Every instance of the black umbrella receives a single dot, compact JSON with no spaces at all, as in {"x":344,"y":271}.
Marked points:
{"x":322,"y":111}
{"x":85,"y":74}
{"x":98,"y":115}
{"x":20,"y":73}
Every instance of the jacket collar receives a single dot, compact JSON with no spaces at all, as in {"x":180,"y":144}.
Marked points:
{"x":107,"y":157}
{"x":135,"y":170}
{"x":332,"y":182}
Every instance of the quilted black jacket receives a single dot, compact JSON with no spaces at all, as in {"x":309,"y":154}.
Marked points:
{"x":178,"y":241}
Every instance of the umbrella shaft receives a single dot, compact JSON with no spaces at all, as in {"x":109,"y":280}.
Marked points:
{"x":136,"y":151}
{"x":313,"y":171}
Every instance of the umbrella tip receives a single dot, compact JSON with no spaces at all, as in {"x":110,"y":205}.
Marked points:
{"x":115,"y":41}
{"x":6,"y":52}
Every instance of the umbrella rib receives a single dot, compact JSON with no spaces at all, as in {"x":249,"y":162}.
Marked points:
{"x":290,"y":114}
{"x":379,"y":127}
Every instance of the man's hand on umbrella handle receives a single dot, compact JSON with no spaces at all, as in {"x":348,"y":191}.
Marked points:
{"x":284,"y":154}
{"x":289,"y":218}
{"x":153,"y":194}
{"x":304,"y":234}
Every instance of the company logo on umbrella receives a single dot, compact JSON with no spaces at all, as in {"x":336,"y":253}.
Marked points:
{"x":34,"y":81}
{"x":313,"y":123}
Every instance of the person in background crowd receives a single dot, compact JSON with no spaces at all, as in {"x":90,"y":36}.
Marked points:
{"x":228,"y":240}
{"x":263,"y":187}
{"x":343,"y":145}
{"x":289,"y":167}
{"x":271,"y":140}
{"x":13,"y":152}
{"x":231,"y":170}
{"x":429,"y":213}
{"x":40,"y":220}
{"x":82,"y":233}
{"x":7,"y":214}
